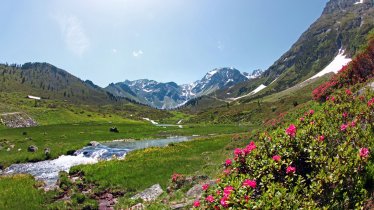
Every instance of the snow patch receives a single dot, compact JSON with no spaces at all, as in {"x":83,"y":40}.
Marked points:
{"x":360,"y":2}
{"x":339,"y":61}
{"x":149,"y":120}
{"x":258,"y":89}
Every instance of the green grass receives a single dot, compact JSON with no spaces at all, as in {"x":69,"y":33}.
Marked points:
{"x":63,"y":138}
{"x":18,"y":192}
{"x":143,"y":168}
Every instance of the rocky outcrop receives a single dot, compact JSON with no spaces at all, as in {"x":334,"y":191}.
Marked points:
{"x":149,"y":194}
{"x":17,"y":120}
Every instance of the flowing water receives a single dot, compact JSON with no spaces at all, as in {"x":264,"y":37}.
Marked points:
{"x":48,"y":170}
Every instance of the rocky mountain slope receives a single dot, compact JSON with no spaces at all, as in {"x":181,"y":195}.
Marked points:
{"x":343,"y":26}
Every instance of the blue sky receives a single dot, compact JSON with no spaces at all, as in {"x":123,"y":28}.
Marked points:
{"x":165,"y":40}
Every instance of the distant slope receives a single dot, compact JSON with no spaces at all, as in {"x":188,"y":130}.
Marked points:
{"x":343,"y":25}
{"x":48,"y":81}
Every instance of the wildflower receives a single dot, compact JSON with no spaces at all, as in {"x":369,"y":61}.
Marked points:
{"x":218,"y":180}
{"x":227,"y":171}
{"x":210,"y":199}
{"x":302,"y":119}
{"x":321,"y":138}
{"x":343,"y":127}
{"x":276,"y":158}
{"x":238,"y":152}
{"x":224,"y":201}
{"x":218,"y":192}
{"x":311,"y":112}
{"x":352,"y":124}
{"x":348,"y":92}
{"x":227,"y":190}
{"x":175,"y":177}
{"x":364,"y":152}
{"x":291,"y":130}
{"x":345,"y":114}
{"x":196,"y":204}
{"x":228,"y":162}
{"x":246,"y":197}
{"x":249,"y":183}
{"x":205,"y":187}
{"x":251,"y":146}
{"x":290,"y":169}
{"x":332,"y":98}
{"x":371,"y":102}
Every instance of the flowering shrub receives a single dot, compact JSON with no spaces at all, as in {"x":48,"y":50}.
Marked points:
{"x":319,"y":161}
{"x":358,"y":70}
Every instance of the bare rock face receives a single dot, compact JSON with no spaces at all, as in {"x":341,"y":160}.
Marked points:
{"x":150,"y":194}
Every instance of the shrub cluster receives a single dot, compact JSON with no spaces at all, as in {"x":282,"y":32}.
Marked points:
{"x":359,"y":70}
{"x":321,"y":160}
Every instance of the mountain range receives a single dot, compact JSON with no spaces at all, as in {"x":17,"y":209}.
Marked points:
{"x":171,"y":95}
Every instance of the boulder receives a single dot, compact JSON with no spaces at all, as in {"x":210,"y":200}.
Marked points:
{"x":32,"y":148}
{"x":149,"y":194}
{"x":93,"y":143}
{"x":47,"y":151}
{"x":197,"y":190}
{"x":114,"y":130}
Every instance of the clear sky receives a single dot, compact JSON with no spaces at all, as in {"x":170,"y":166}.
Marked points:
{"x":165,"y":40}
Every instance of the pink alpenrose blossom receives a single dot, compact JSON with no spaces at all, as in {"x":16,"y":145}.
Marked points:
{"x":249,"y":183}
{"x":224,"y":201}
{"x":321,"y":138}
{"x":343,"y":127}
{"x":290,"y":169}
{"x":364,"y":152}
{"x":205,"y":187}
{"x":227,"y":190}
{"x":210,"y":199}
{"x":345,"y":114}
{"x":311,"y":112}
{"x":196,"y":204}
{"x":371,"y":102}
{"x":228,"y":162}
{"x":291,"y":130}
{"x":276,"y":158}
{"x":348,"y":92}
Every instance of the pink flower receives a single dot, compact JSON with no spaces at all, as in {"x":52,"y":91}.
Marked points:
{"x":248,"y":149}
{"x":249,"y":183}
{"x":276,"y":158}
{"x":210,"y":199}
{"x":332,"y":98}
{"x":290,"y":169}
{"x":238,"y":152}
{"x":345,"y":114}
{"x":348,"y":92}
{"x":205,"y":187}
{"x":224,"y":201}
{"x":227,"y":190}
{"x":228,"y":162}
{"x":302,"y":119}
{"x":218,"y":192}
{"x":196,"y":204}
{"x":343,"y":127}
{"x":227,"y":171}
{"x":321,"y":138}
{"x":291,"y":130}
{"x":364,"y":152}
{"x":352,"y":124}
{"x":371,"y":102}
{"x":246,"y":197}
{"x":311,"y":112}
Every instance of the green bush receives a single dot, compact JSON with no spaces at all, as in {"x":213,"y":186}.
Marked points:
{"x":321,"y":160}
